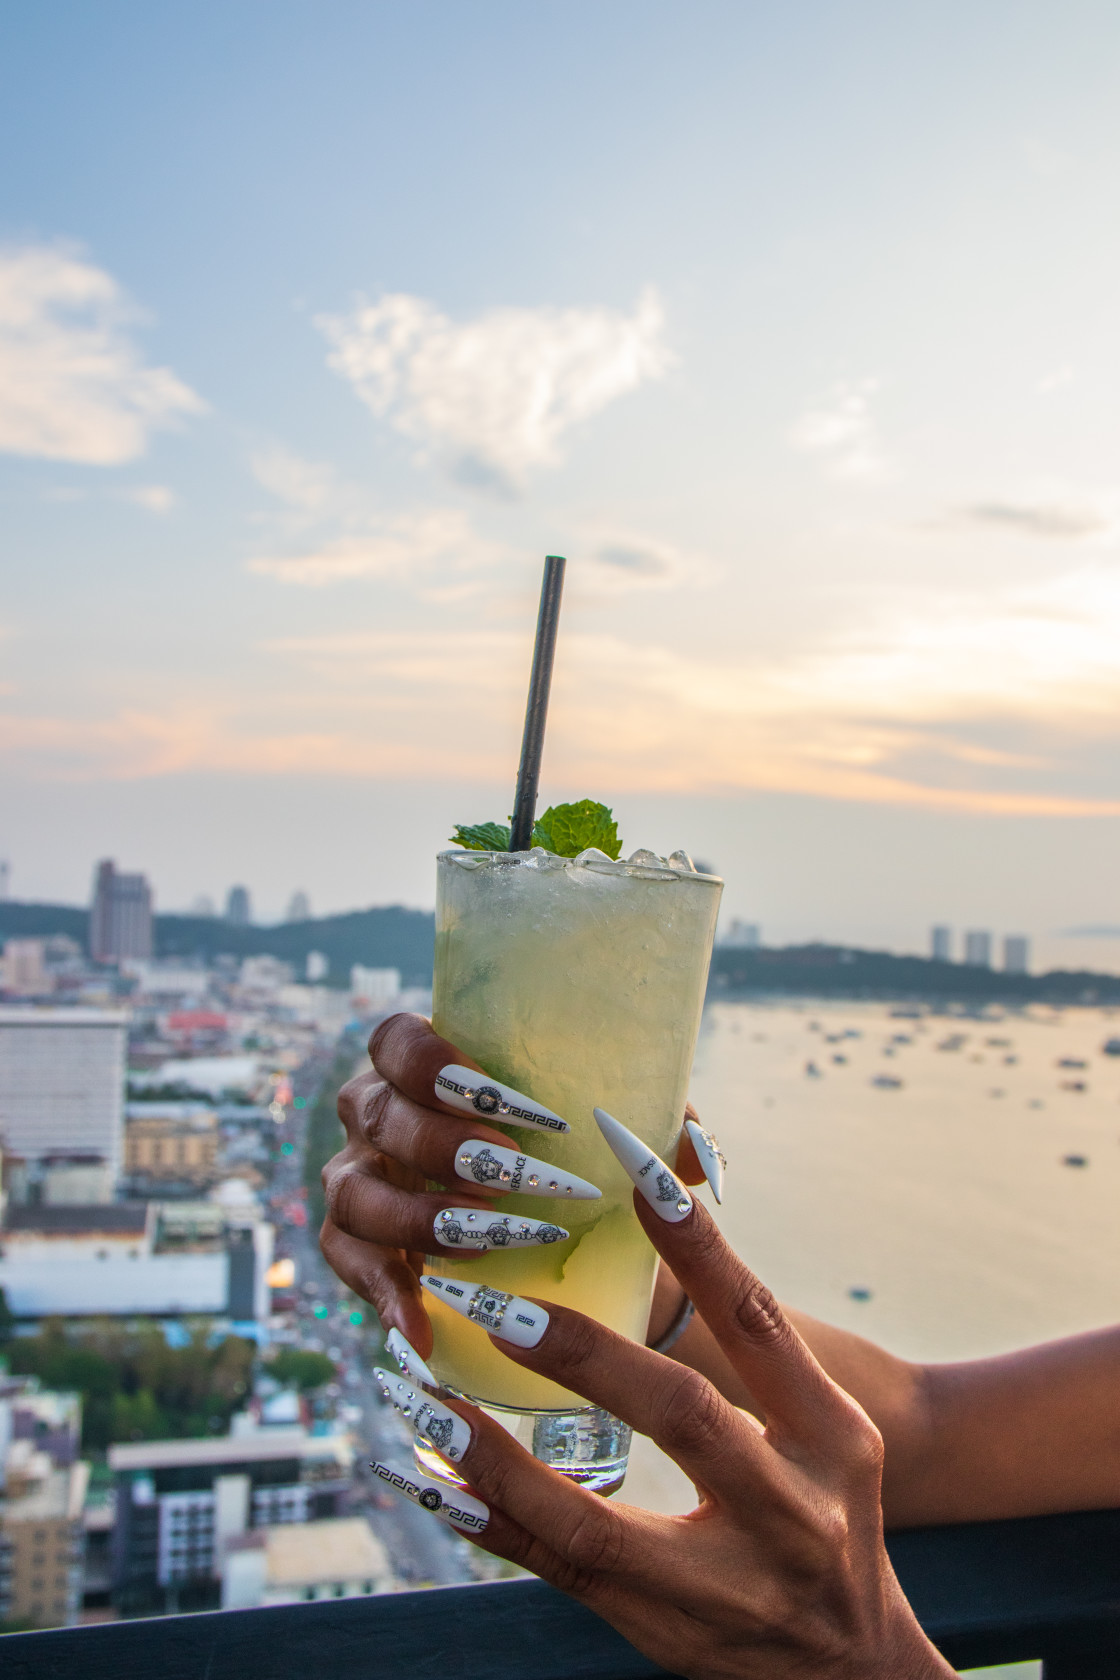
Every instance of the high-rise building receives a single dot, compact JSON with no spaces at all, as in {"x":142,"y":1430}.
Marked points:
{"x":978,"y":948}
{"x":1016,"y":954}
{"x":62,"y":1075}
{"x":120,"y":918}
{"x":743,"y":936}
{"x":299,"y":907}
{"x":941,"y":944}
{"x":238,"y":908}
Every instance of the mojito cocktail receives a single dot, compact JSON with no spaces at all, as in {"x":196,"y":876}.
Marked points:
{"x":580,"y":982}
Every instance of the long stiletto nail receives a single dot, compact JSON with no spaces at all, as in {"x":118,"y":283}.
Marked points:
{"x":481,"y":1229}
{"x":709,"y":1154}
{"x":661,"y":1188}
{"x":521,"y":1322}
{"x":476,"y":1093}
{"x":437,"y":1423}
{"x":408,"y":1359}
{"x":505,"y":1169}
{"x":445,"y":1501}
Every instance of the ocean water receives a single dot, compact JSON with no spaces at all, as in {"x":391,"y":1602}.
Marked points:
{"x":915,"y":1180}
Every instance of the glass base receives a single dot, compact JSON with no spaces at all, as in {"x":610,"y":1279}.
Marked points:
{"x":587,"y":1445}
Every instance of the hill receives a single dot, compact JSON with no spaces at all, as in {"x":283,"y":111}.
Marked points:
{"x":387,"y":936}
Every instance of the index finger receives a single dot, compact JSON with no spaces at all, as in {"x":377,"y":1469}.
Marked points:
{"x":408,"y":1052}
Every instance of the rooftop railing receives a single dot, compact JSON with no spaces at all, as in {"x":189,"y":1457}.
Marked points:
{"x":1040,"y":1587}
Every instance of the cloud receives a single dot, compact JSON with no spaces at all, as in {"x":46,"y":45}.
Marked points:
{"x":1066,"y":520}
{"x":155,"y":498}
{"x":1003,"y":706}
{"x":72,"y":384}
{"x":493,"y":397}
{"x":617,"y":562}
{"x":312,"y":487}
{"x":399,"y":547}
{"x":841,"y":432}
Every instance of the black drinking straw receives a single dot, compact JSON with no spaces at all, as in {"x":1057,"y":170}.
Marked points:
{"x":536,"y":707}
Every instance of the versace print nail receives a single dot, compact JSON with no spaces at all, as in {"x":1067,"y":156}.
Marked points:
{"x":661,"y":1188}
{"x":437,"y":1423}
{"x":446,"y":1501}
{"x":505,"y":1169}
{"x":475,"y":1093}
{"x":709,"y":1154}
{"x":521,"y":1322}
{"x":408,"y":1359}
{"x":482,"y":1228}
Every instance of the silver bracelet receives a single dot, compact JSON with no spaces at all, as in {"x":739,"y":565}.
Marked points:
{"x":677,"y":1329}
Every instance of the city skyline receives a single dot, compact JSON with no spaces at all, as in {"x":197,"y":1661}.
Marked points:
{"x":804,"y":351}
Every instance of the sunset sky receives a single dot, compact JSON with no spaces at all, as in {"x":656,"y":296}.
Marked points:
{"x":797,"y":329}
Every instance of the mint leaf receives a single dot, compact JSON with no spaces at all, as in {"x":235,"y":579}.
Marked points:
{"x":482,"y":837}
{"x":567,"y":830}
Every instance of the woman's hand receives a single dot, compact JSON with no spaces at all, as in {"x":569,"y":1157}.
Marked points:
{"x":781,"y":1570}
{"x":400,"y":1134}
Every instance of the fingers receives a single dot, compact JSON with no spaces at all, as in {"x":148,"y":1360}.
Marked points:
{"x":383,"y":1277}
{"x":408,"y":1052}
{"x":450,"y":1149}
{"x":364,"y":1204}
{"x":799,"y":1401}
{"x":801,"y":1404}
{"x":675,"y":1406}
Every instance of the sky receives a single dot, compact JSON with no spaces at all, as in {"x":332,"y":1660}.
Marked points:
{"x":796,"y":329}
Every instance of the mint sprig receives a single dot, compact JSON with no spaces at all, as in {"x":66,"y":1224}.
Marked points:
{"x":482,"y":837}
{"x":564,"y":830}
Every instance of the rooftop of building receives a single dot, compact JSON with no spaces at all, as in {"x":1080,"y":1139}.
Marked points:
{"x":58,"y":1015}
{"x":90,"y":1219}
{"x":226,"y":1449}
{"x":60,"y":1495}
{"x":318,"y":1553}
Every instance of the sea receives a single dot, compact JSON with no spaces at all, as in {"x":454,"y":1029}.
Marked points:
{"x":945,"y":1184}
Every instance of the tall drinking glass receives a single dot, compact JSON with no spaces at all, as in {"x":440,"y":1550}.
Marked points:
{"x":581,"y":983}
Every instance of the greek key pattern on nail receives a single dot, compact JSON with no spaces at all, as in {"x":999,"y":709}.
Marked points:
{"x":487,"y":1099}
{"x":489,"y":1308}
{"x":429,"y":1497}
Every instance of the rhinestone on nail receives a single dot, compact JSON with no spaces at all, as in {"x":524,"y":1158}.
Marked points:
{"x":553,"y":1185}
{"x":534,"y":1179}
{"x":683,"y":1205}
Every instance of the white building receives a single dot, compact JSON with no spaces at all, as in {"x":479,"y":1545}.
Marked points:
{"x":293,"y":1563}
{"x":742,"y":936}
{"x":62,"y":1075}
{"x":24,"y":967}
{"x":137,"y":1259}
{"x":373,"y":988}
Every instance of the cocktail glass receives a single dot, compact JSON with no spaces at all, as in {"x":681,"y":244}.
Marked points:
{"x":580,"y":982}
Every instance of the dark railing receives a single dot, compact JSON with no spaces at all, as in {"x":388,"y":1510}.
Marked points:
{"x":998,"y":1592}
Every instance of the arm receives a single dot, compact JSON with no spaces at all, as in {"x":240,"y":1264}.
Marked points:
{"x":1011,"y":1436}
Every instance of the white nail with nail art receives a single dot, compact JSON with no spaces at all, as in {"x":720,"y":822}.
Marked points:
{"x":504,"y":1169}
{"x":476,"y":1093}
{"x":450,"y":1504}
{"x":437,"y":1423}
{"x":521,"y":1322}
{"x":482,"y":1229}
{"x":661,"y":1188}
{"x":709,"y":1154}
{"x":408,"y":1359}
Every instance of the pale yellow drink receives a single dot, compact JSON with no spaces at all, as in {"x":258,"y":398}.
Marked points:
{"x":580,"y":983}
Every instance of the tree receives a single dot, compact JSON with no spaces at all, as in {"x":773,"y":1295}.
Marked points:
{"x":300,"y":1368}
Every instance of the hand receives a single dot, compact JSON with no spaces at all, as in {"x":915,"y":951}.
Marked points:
{"x":781,"y":1571}
{"x":381,"y":1216}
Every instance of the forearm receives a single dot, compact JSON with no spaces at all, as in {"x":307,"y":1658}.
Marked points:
{"x":1016,"y":1435}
